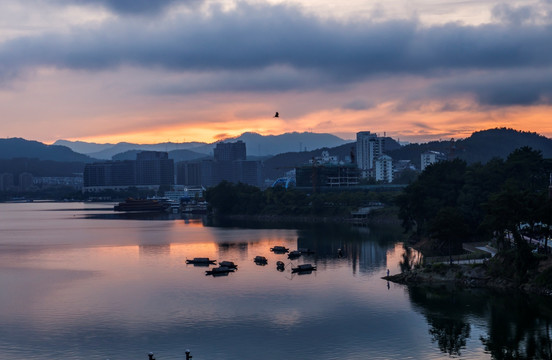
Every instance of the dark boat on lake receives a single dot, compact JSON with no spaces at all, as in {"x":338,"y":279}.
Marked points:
{"x":228,"y":264}
{"x":200,"y":261}
{"x":142,"y":205}
{"x":219,"y":271}
{"x":294,"y":254}
{"x":279,"y":249}
{"x":280,"y":266}
{"x":260,"y":260}
{"x":303,"y":268}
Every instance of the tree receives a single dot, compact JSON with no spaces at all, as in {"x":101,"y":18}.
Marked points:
{"x":449,"y":229}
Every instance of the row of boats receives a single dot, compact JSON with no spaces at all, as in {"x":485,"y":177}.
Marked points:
{"x":226,"y":267}
{"x":294,"y":254}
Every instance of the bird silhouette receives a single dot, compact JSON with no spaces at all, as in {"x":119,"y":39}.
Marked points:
{"x":277,"y":114}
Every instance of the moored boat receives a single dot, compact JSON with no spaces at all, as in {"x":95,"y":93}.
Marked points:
{"x":279,"y":249}
{"x":303,"y":268}
{"x":294,"y":254}
{"x":142,"y":205}
{"x":260,"y":260}
{"x":280,"y":266}
{"x":228,"y":264}
{"x":219,"y":270}
{"x":200,"y":261}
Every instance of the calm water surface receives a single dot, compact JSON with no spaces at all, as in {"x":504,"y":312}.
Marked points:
{"x":80,"y":282}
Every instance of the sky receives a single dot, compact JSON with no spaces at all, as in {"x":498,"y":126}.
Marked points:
{"x":198,"y":70}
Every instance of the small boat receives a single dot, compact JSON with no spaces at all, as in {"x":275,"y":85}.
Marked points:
{"x":200,"y":261}
{"x":303,"y":268}
{"x":228,"y":264}
{"x":260,"y":260}
{"x":280,"y":266}
{"x":294,"y":254}
{"x":279,"y":249}
{"x":219,"y":270}
{"x":142,"y":205}
{"x":306,"y":251}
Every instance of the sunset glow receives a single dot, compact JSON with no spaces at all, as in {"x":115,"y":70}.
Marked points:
{"x":183,"y":71}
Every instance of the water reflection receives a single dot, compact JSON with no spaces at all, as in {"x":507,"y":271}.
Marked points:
{"x":519,"y":326}
{"x":86,"y":285}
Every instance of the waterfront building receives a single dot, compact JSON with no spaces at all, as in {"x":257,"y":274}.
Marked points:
{"x":431,"y":157}
{"x":154,"y":168}
{"x":327,"y":176}
{"x":229,"y":164}
{"x":53,"y":181}
{"x":150,"y":170}
{"x":384,"y":169}
{"x":368,"y":148}
{"x":230,"y":151}
{"x":6,"y":181}
{"x":25,"y":181}
{"x":248,"y":172}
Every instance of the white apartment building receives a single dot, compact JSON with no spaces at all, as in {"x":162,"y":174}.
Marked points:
{"x":368,"y":148}
{"x":431,"y":157}
{"x":384,"y":168}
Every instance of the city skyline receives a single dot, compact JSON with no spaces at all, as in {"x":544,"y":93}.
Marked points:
{"x":108,"y":71}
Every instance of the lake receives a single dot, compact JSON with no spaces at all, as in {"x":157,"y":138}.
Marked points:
{"x":79,"y":281}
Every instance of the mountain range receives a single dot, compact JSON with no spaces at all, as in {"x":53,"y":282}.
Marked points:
{"x":278,"y":152}
{"x":256,"y":145}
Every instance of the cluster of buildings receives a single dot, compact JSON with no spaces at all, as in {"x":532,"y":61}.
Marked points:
{"x":368,"y":162}
{"x":151,"y":170}
{"x":154,"y":170}
{"x":9,"y":182}
{"x":229,"y":163}
{"x":25,"y":181}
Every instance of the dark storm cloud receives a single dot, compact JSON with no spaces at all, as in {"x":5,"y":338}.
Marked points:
{"x":252,"y":48}
{"x":132,"y":7}
{"x":525,"y":87}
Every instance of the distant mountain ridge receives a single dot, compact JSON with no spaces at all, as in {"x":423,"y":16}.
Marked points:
{"x":20,"y":148}
{"x":256,"y":145}
{"x":107,"y":151}
{"x":176,"y":155}
{"x":481,"y":146}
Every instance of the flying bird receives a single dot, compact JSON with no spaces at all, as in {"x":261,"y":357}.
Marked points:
{"x":277,"y":114}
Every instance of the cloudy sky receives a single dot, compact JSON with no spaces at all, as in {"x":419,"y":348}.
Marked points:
{"x":198,"y":70}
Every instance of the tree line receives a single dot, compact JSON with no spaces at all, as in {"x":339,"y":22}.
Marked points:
{"x":228,"y":198}
{"x":452,"y":202}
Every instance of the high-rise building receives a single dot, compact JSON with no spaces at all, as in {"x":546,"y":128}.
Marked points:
{"x":384,"y":169}
{"x":229,"y":164}
{"x":151,"y":169}
{"x":154,"y":168}
{"x":368,"y":148}
{"x":230,"y":151}
{"x":248,"y":172}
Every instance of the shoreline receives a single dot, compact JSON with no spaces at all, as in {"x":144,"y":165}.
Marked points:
{"x":376,"y":218}
{"x":464,"y":275}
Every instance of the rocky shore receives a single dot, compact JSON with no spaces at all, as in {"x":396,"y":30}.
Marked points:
{"x":474,"y":276}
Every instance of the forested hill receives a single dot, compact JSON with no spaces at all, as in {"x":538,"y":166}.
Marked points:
{"x":484,"y":145}
{"x":20,"y":148}
{"x":481,"y":146}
